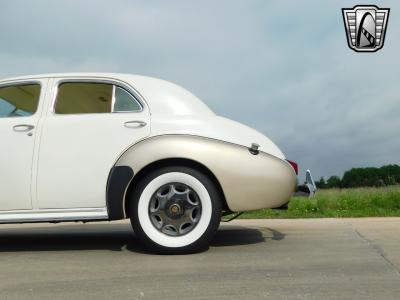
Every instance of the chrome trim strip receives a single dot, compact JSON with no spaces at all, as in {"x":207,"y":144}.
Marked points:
{"x":113,"y":98}
{"x":49,"y":215}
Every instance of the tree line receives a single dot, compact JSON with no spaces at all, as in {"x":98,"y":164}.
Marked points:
{"x":361,"y":177}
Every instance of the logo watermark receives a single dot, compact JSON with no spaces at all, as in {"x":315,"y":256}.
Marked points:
{"x":365,"y":27}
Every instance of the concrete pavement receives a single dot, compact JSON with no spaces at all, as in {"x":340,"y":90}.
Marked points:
{"x":249,"y":259}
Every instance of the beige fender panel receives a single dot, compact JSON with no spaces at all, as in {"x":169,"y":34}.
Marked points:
{"x":248,"y":181}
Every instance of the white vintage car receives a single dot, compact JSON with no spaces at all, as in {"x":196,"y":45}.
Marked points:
{"x":93,"y":147}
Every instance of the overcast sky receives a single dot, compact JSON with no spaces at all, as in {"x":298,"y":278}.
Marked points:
{"x":282,"y":67}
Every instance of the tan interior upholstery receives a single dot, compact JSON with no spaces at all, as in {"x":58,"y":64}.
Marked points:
{"x":77,"y":98}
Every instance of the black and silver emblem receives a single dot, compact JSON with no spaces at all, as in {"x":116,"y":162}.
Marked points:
{"x":365,"y":27}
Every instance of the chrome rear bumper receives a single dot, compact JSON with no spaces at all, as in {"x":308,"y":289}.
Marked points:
{"x":308,"y":189}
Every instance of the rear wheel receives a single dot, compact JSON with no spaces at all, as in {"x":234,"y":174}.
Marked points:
{"x":175,"y":210}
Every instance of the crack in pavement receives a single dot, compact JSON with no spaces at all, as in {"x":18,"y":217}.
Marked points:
{"x":378,"y":249}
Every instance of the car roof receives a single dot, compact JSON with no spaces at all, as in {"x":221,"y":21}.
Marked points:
{"x":163,"y":97}
{"x":74,"y":74}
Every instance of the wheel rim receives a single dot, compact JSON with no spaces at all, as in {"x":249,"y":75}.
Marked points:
{"x":175,"y":209}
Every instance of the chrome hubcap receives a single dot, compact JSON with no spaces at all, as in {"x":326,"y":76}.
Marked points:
{"x":175,"y":209}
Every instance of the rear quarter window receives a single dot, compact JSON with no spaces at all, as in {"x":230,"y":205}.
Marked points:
{"x":125,"y":102}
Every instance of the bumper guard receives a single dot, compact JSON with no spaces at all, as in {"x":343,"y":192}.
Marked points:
{"x":308,"y":189}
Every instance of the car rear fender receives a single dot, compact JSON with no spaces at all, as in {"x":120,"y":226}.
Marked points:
{"x":243,"y":176}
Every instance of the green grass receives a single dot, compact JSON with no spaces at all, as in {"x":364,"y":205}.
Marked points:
{"x":337,"y":203}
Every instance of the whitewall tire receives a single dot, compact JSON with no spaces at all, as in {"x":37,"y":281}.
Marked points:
{"x":175,"y":210}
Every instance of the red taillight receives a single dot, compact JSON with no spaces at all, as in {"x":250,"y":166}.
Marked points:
{"x":294,"y":166}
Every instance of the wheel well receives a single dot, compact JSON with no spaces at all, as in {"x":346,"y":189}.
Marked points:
{"x":174,"y":162}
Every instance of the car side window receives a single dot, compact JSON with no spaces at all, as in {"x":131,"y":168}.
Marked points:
{"x":84,"y":98}
{"x":91,"y":97}
{"x":19,"y":100}
{"x":125,"y":102}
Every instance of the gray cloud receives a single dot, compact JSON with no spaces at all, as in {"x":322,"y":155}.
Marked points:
{"x":279,"y":66}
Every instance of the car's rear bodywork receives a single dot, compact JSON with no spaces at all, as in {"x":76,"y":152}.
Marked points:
{"x":248,"y":181}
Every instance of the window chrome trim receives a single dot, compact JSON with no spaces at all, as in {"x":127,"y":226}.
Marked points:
{"x":114,"y":82}
{"x":25,"y":82}
{"x":113,"y":98}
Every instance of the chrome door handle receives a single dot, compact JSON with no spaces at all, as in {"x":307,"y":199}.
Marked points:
{"x":135,"y":124}
{"x":23,"y":127}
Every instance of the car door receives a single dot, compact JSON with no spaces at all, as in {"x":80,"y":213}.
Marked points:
{"x":19,"y":117}
{"x":88,"y":126}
